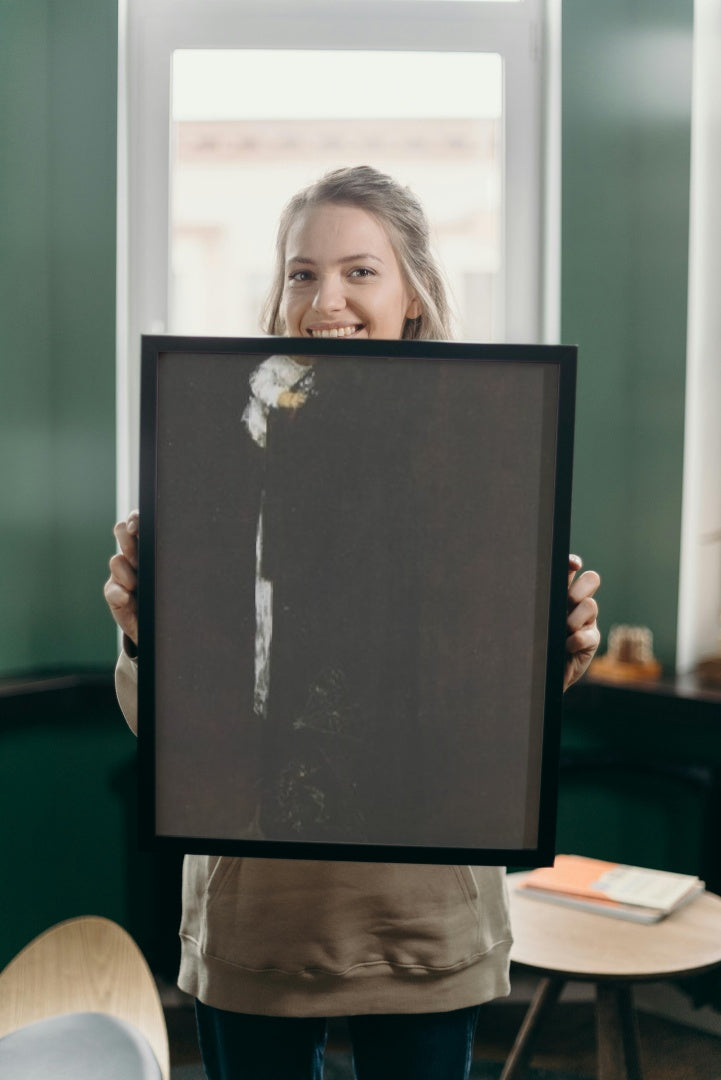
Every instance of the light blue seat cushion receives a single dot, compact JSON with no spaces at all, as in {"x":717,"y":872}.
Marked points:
{"x":78,"y":1046}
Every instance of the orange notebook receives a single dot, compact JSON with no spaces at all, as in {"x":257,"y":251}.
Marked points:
{"x":631,"y":892}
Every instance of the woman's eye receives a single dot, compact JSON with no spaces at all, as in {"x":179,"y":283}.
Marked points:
{"x":362,"y":272}
{"x":300,"y":276}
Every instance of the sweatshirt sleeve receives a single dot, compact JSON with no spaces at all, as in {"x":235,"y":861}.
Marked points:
{"x":126,"y":688}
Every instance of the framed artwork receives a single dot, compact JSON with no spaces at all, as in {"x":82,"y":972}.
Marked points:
{"x":352,"y":597}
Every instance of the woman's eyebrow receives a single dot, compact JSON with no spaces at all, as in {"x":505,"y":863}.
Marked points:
{"x":363,"y":255}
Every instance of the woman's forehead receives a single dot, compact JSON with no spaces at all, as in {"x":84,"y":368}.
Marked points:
{"x":336,"y":230}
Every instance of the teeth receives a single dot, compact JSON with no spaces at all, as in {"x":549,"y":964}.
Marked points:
{"x":336,"y":332}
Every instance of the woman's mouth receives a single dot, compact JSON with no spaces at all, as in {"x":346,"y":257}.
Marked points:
{"x":335,"y":331}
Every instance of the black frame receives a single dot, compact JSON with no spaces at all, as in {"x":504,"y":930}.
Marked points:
{"x":551,"y":609}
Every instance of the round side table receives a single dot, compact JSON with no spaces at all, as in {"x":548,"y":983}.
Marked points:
{"x":563,"y":944}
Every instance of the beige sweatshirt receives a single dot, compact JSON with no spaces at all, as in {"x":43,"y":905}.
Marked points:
{"x":287,"y":937}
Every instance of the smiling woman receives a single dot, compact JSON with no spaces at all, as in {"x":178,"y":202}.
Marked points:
{"x":353,"y":259}
{"x":344,"y":295}
{"x":331,"y":630}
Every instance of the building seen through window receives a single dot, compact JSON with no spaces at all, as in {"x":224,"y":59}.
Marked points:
{"x":234,"y":169}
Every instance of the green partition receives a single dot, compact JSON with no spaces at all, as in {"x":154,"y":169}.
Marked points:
{"x":58,"y":79}
{"x":626,"y":164}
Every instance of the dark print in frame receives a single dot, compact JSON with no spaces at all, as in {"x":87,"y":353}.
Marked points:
{"x":352,"y":602}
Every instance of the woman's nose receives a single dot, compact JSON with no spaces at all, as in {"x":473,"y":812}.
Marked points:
{"x":329,"y":296}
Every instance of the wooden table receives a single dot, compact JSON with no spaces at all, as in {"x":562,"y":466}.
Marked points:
{"x":563,"y":944}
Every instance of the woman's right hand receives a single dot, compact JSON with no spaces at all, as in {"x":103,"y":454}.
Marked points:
{"x":122,"y":585}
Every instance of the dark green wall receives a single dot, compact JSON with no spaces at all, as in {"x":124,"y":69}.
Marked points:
{"x":641,"y":778}
{"x":626,"y":146}
{"x":66,"y":796}
{"x":58,"y":74}
{"x":68,"y":804}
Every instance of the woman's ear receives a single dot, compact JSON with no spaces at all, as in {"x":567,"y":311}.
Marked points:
{"x":415,"y":309}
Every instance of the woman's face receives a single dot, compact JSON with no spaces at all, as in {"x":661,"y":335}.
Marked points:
{"x":342,"y":277}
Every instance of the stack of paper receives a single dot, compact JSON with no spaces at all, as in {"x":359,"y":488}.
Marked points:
{"x":624,"y":892}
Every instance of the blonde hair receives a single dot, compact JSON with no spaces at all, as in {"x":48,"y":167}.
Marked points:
{"x":403,"y":217}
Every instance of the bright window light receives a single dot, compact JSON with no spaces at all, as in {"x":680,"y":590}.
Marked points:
{"x":238,"y":155}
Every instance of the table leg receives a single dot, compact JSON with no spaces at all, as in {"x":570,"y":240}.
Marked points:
{"x":617,"y":1033}
{"x":545,"y":997}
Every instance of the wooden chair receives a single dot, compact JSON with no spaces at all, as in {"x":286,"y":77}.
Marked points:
{"x":87,"y":967}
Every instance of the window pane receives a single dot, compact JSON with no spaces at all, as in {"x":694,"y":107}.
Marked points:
{"x":252,"y":127}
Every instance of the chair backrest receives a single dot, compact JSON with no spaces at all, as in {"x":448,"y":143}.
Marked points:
{"x":88,"y":964}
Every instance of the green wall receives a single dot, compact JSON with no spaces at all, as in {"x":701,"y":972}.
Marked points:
{"x":66,"y":798}
{"x":69,"y":808}
{"x":650,"y":791}
{"x":626,"y":146}
{"x":58,"y":73}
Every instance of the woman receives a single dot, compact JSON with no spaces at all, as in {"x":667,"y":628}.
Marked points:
{"x":271,"y":948}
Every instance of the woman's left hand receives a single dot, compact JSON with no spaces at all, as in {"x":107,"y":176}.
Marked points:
{"x":583,"y":636}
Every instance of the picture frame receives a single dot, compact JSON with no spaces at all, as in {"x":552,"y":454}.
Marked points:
{"x":353,"y":574}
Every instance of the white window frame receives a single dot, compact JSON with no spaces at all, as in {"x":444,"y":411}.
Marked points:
{"x":526,"y":34}
{"x":699,"y":597}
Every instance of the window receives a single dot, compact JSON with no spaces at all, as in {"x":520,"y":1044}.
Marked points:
{"x":235,"y":161}
{"x":227,"y":107}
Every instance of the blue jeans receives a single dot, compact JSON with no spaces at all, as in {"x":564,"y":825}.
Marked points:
{"x":415,"y":1046}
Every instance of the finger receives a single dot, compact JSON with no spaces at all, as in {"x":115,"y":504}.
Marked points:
{"x":586,"y":636}
{"x":127,"y":541}
{"x":122,"y":572}
{"x":123,"y":607}
{"x":583,"y":641}
{"x":584,"y":613}
{"x":585,"y":585}
{"x":575,"y":562}
{"x":126,"y":534}
{"x":576,"y":666}
{"x":118,"y":597}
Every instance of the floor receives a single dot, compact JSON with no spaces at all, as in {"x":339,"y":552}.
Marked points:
{"x":670,"y":1051}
